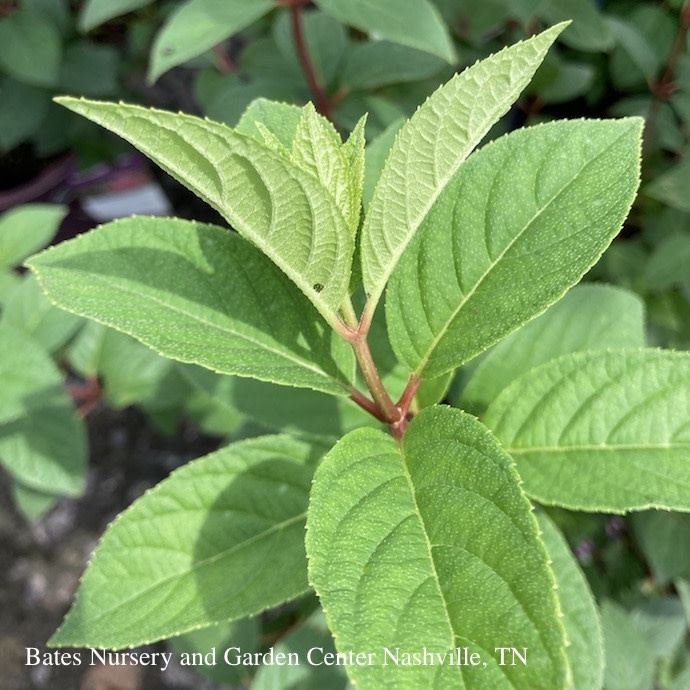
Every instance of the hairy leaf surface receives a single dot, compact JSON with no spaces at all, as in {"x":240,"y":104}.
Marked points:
{"x":589,"y":317}
{"x":432,"y":145}
{"x":279,"y":207}
{"x":433,"y":536}
{"x":318,"y":149}
{"x":199,"y":548}
{"x":196,"y":293}
{"x":519,"y":224}
{"x":601,"y":431}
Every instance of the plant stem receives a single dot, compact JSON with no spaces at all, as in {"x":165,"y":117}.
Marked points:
{"x":664,"y":88}
{"x":367,"y":405}
{"x":320,"y":100}
{"x":349,"y":315}
{"x":385,"y":405}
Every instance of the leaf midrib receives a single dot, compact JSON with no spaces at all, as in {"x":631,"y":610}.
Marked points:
{"x":453,"y":314}
{"x":177,"y":310}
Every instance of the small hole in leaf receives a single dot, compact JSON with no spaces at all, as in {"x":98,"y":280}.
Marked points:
{"x":168,"y":51}
{"x":318,"y":287}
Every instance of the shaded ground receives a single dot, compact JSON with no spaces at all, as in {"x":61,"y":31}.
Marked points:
{"x":41,"y":564}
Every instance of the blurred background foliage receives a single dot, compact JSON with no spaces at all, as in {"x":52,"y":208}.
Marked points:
{"x":214,"y":58}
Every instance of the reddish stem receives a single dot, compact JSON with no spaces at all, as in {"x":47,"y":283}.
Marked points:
{"x":367,"y":405}
{"x":663,"y":89}
{"x":223,"y":62}
{"x":320,"y":100}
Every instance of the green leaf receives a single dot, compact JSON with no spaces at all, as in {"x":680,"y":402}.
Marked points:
{"x":32,"y":504}
{"x":418,"y":25}
{"x":433,"y":536}
{"x":325,"y":40}
{"x":589,"y":317}
{"x":200,"y":548}
{"x":601,"y":431}
{"x":664,"y":540}
{"x":196,"y":293}
{"x":196,"y":26}
{"x":520,"y":223}
{"x":280,"y":119}
{"x":432,"y":145}
{"x":668,"y":264}
{"x":673,"y":187}
{"x":280,"y":208}
{"x":303,"y":412}
{"x":662,"y":622}
{"x":311,"y":642}
{"x":629,"y":661}
{"x":42,"y":443}
{"x":209,"y":642}
{"x":31,"y":48}
{"x":17,"y":97}
{"x":580,"y":615}
{"x":90,"y":69}
{"x":96,"y":12}
{"x":589,"y":31}
{"x":28,"y":310}
{"x":373,"y":64}
{"x":26,"y":229}
{"x":375,"y":157}
{"x":318,"y":149}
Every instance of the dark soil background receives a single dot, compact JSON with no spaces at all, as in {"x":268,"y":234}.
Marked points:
{"x":41,"y":564}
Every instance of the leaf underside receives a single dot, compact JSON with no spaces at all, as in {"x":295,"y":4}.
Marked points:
{"x":282,"y":209}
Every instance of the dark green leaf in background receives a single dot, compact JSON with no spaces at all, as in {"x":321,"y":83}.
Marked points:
{"x":31,"y":48}
{"x":198,"y":25}
{"x":416,"y":24}
{"x":42,"y":442}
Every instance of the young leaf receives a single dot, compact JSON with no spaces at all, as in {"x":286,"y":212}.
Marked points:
{"x":580,"y":615}
{"x":318,"y":149}
{"x":431,"y":147}
{"x":280,"y":119}
{"x":629,"y":661}
{"x":196,"y":293}
{"x":95,"y":12}
{"x":418,"y":25}
{"x":601,"y":431}
{"x":434,"y":536}
{"x":26,"y":229}
{"x":200,"y":548}
{"x":282,"y":209}
{"x":42,"y":442}
{"x":31,"y":47}
{"x":196,"y":26}
{"x":519,"y":224}
{"x":589,"y":317}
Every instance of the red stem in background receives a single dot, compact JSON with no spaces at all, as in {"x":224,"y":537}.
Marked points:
{"x":663,"y":89}
{"x":320,"y":100}
{"x":223,"y":62}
